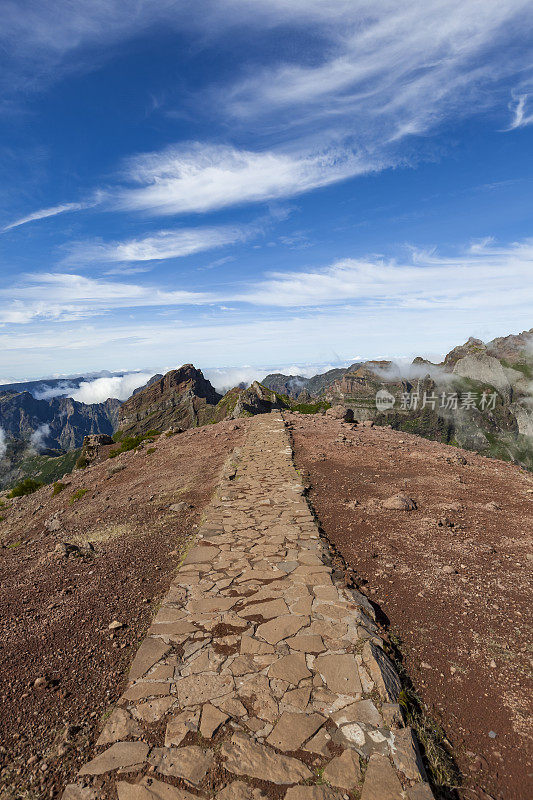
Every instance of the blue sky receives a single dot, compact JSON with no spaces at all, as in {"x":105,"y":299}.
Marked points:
{"x":261,"y":183}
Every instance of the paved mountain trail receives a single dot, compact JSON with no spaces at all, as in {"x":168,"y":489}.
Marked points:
{"x":262,"y":675}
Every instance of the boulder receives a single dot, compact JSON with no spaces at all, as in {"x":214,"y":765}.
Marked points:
{"x":400,"y":502}
{"x":340,"y":412}
{"x":479,"y":366}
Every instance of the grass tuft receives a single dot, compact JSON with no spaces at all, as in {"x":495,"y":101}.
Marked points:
{"x":78,"y":495}
{"x":442,"y":770}
{"x":58,"y":488}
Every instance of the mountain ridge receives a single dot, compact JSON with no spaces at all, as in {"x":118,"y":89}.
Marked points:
{"x":184,"y":398}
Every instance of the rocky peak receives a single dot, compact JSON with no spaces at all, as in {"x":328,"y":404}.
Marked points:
{"x":471,"y":347}
{"x":514,"y":349}
{"x":152,"y":380}
{"x":179,"y":398}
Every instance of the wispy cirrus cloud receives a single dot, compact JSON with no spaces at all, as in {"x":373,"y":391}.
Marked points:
{"x":380,"y":72}
{"x":392,"y":69}
{"x":161,"y":245}
{"x":200,"y":178}
{"x":43,"y":213}
{"x":64,"y":297}
{"x":479,"y":277}
{"x":486,"y":275}
{"x":522,"y":112}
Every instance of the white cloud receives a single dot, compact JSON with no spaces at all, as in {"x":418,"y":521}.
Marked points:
{"x":38,"y":438}
{"x":3,"y":445}
{"x":218,"y":262}
{"x":200,"y":178}
{"x":379,"y":58}
{"x":66,"y":296}
{"x":43,"y":41}
{"x":378,"y":73}
{"x":486,"y":275}
{"x":521,"y":116}
{"x":225,"y":378}
{"x":381,"y":72}
{"x":46,"y":212}
{"x":258,"y":338}
{"x":161,"y":244}
{"x":100,"y":389}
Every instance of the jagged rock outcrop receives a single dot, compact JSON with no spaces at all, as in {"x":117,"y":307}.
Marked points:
{"x":366,"y":377}
{"x":515,"y":349}
{"x":524,"y":418}
{"x":182,"y":397}
{"x":471,"y":347}
{"x":257,"y":399}
{"x":290,"y":385}
{"x":498,"y":423}
{"x":152,"y":380}
{"x":359,"y":385}
{"x":92,"y":445}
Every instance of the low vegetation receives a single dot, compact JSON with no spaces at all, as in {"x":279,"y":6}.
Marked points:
{"x":311,"y":408}
{"x":131,"y":442}
{"x":78,"y":495}
{"x":48,"y":469}
{"x":442,"y":770}
{"x":27,"y":486}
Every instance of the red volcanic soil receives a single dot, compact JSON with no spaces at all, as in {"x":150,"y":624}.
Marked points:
{"x":453,"y":577}
{"x":55,"y":611}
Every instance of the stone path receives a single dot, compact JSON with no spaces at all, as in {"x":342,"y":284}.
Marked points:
{"x":261,"y":676}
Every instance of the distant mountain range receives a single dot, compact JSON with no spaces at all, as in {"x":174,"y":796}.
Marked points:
{"x":67,"y":421}
{"x":501,"y":370}
{"x":59,"y":387}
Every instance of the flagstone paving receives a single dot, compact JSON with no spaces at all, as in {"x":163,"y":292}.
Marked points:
{"x":262,"y":675}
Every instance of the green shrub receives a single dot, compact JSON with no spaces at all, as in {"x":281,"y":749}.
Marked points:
{"x":131,"y":442}
{"x":82,"y":462}
{"x":150,"y":451}
{"x":27,"y":486}
{"x":58,"y":487}
{"x":78,"y":495}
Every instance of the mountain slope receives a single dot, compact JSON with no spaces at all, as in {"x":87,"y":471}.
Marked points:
{"x":181,"y":398}
{"x":67,"y":421}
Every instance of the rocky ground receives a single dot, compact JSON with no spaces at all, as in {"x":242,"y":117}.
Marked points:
{"x":446,"y":565}
{"x":72,"y":617}
{"x":451,"y":578}
{"x":262,"y":676}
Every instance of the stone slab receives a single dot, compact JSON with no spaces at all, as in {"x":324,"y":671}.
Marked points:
{"x":245,"y":757}
{"x":118,"y":756}
{"x":151,"y":789}
{"x":190,"y":763}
